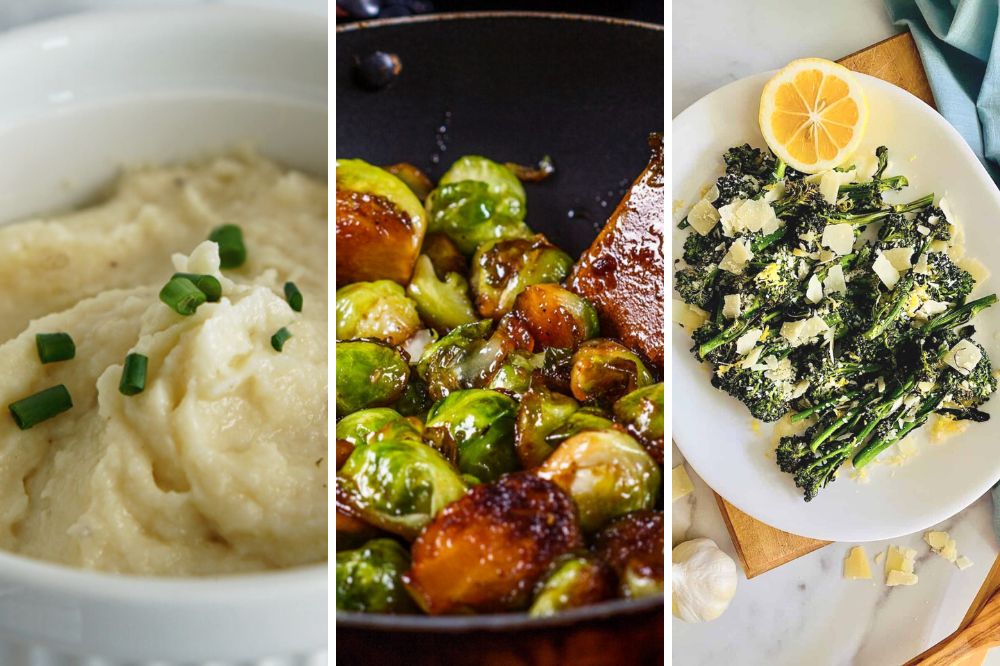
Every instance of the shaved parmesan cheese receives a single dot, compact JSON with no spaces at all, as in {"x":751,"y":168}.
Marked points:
{"x":831,"y":181}
{"x":711,"y":194}
{"x":688,"y":316}
{"x":856,"y":565}
{"x":921,"y":265}
{"x":803,"y":330}
{"x":865,"y":167}
{"x":922,"y":230}
{"x":800,"y":388}
{"x":835,"y":282}
{"x":775,"y":192}
{"x":936,"y":540}
{"x":885,"y":271}
{"x":929,"y":309}
{"x":963,"y":562}
{"x":681,"y":483}
{"x":964,"y":357}
{"x":979,"y":272}
{"x":839,"y":238}
{"x":748,"y":340}
{"x":731,"y":306}
{"x":703,"y":217}
{"x":899,"y":566}
{"x":727,"y":215}
{"x":754,"y":214}
{"x":814,"y":291}
{"x":736,"y":258}
{"x":751,"y":359}
{"x":899,"y":257}
{"x":896,"y":577}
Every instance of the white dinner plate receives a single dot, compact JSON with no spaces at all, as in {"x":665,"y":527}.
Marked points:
{"x":714,"y":431}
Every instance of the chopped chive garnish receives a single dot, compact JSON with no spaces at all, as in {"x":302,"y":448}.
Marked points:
{"x":133,"y":374}
{"x":54,"y":347}
{"x":41,"y":406}
{"x":278,"y":339}
{"x":232,"y":252}
{"x":206,"y":283}
{"x":293,"y":296}
{"x":182,"y":296}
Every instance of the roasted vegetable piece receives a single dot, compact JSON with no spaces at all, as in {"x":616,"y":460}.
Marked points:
{"x":502,"y":270}
{"x":443,"y":304}
{"x":369,"y":579}
{"x":397,"y":482}
{"x":573,"y":581}
{"x":607,"y":473}
{"x":369,"y":374}
{"x":377,"y":310}
{"x":503,"y":185}
{"x":352,"y":530}
{"x":515,"y":375}
{"x":414,"y":178}
{"x":344,"y":451}
{"x":356,"y":428}
{"x":585,"y":418}
{"x":605,"y":370}
{"x":641,"y":412}
{"x":415,"y":400}
{"x":445,"y":255}
{"x":541,"y":411}
{"x":481,"y":423}
{"x":555,"y":316}
{"x":380,"y":224}
{"x":487,"y":551}
{"x":633,"y":546}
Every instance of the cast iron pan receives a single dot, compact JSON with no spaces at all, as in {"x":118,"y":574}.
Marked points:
{"x":513,"y":87}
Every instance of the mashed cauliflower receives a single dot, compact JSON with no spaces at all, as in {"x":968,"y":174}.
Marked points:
{"x":220,"y":464}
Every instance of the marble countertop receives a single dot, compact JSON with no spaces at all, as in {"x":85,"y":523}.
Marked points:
{"x":805,"y":611}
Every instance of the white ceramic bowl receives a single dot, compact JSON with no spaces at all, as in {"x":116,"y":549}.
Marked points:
{"x":81,"y":96}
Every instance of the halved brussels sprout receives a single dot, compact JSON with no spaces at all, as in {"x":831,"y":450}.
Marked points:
{"x":445,"y":255}
{"x":502,"y":270}
{"x":541,"y":411}
{"x":352,"y":530}
{"x":380,"y":224}
{"x":641,"y":412}
{"x":633,"y":546}
{"x":502,"y":183}
{"x":514,"y":376}
{"x":605,"y":370}
{"x":573,"y":581}
{"x":556,"y":316}
{"x":443,"y":304}
{"x":369,"y":374}
{"x":481,"y":424}
{"x":415,"y":400}
{"x":356,"y":428}
{"x":471,"y":215}
{"x":607,"y":473}
{"x":377,"y":310}
{"x":397,"y":482}
{"x":487,"y":551}
{"x":369,"y":579}
{"x":414,"y":178}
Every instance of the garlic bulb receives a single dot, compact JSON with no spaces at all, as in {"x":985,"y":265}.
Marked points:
{"x":704,"y":580}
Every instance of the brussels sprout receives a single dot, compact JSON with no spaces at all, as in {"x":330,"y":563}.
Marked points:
{"x":641,"y":412}
{"x":352,"y":530}
{"x":471,"y":215}
{"x":514,"y":376}
{"x":369,"y":374}
{"x":557,"y":367}
{"x":377,"y":310}
{"x":344,"y":451}
{"x":413,"y":178}
{"x":556,"y":317}
{"x":443,"y":304}
{"x":369,"y":579}
{"x":585,"y":418}
{"x":445,"y":255}
{"x":502,"y":270}
{"x":502,"y":183}
{"x":633,"y":546}
{"x":359,"y":426}
{"x":607,"y":473}
{"x":398,"y":483}
{"x":380,"y":224}
{"x":605,"y":370}
{"x":574,"y":581}
{"x":541,"y":412}
{"x":481,"y":423}
{"x":415,"y":400}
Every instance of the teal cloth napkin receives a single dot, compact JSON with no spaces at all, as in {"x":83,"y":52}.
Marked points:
{"x":959,"y":45}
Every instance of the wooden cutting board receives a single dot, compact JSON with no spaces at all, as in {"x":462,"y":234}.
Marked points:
{"x":761,"y":547}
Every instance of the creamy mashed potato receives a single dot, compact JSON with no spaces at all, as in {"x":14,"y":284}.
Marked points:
{"x":220,"y":465}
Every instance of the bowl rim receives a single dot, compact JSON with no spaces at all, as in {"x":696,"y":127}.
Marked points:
{"x":465,"y":16}
{"x":23,"y":572}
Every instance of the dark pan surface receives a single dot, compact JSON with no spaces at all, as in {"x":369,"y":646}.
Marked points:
{"x":512,"y":87}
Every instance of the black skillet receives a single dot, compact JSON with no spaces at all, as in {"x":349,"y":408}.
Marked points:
{"x":586,"y":91}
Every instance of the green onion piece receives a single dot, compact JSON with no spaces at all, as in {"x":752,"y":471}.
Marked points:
{"x":278,"y":339}
{"x":206,"y":283}
{"x":293,"y":296}
{"x":232,"y":252}
{"x":41,"y":406}
{"x":182,"y":296}
{"x":54,"y":347}
{"x":133,"y":374}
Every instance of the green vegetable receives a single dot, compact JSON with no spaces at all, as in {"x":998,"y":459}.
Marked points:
{"x":53,"y":347}
{"x":370,"y":578}
{"x":576,"y":580}
{"x":481,"y":425}
{"x":41,"y":406}
{"x":457,"y":361}
{"x":356,"y":428}
{"x":133,"y":379}
{"x":359,"y":176}
{"x":378,"y":309}
{"x":208,"y":284}
{"x":293,"y":296}
{"x":605,"y":370}
{"x":182,"y":296}
{"x":369,"y":374}
{"x":501,"y":181}
{"x":540,"y":413}
{"x":443,"y":304}
{"x":502,"y":270}
{"x":280,"y":337}
{"x":232,"y":252}
{"x":515,"y":375}
{"x":641,"y":412}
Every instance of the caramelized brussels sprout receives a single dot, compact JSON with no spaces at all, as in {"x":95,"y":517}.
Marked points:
{"x":487,"y":551}
{"x":514,"y":376}
{"x":607,"y":473}
{"x":443,"y":304}
{"x":414,"y":178}
{"x":641,"y":412}
{"x":557,"y":367}
{"x":502,"y":183}
{"x":344,"y":451}
{"x":556,"y":316}
{"x":369,"y":374}
{"x":444,"y":255}
{"x":369,"y":579}
{"x":380,"y":224}
{"x":481,"y":423}
{"x":378,"y":310}
{"x":541,"y":411}
{"x":352,"y":530}
{"x":396,"y":482}
{"x":573,"y":581}
{"x":633,"y":546}
{"x":502,"y":270}
{"x":415,"y":400}
{"x":605,"y":370}
{"x":356,"y":428}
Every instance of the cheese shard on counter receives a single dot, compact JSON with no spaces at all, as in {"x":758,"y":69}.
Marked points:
{"x":703,"y":217}
{"x":963,"y":562}
{"x":900,"y":578}
{"x":899,"y":566}
{"x":942,"y":544}
{"x":856,"y":565}
{"x":680,"y":483}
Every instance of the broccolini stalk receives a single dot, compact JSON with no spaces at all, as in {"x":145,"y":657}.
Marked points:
{"x":958,"y":315}
{"x":879,"y":444}
{"x":862,"y":219}
{"x":734,"y":330}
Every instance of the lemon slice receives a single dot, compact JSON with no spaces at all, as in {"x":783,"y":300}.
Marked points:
{"x":813,"y":114}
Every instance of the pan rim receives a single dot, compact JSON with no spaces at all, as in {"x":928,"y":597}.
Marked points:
{"x":462,"y":16}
